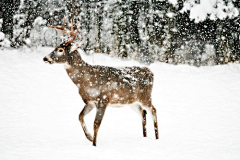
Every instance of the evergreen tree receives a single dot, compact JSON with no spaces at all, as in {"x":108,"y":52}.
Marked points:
{"x":7,"y":11}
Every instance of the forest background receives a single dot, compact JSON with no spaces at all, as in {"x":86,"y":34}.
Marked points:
{"x":195,"y":32}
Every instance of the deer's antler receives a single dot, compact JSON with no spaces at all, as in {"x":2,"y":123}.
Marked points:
{"x":69,"y":31}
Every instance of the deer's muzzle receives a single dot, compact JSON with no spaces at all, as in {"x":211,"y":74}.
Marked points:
{"x":47,"y":59}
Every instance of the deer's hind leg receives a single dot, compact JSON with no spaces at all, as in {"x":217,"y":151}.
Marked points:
{"x":153,"y":111}
{"x":142,"y":112}
{"x":87,"y":108}
{"x":154,"y":116}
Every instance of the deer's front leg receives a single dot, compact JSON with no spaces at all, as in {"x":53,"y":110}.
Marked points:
{"x":142,"y":112}
{"x":85,"y":111}
{"x":98,"y":119}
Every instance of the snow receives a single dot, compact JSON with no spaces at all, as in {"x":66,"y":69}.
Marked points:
{"x":214,"y":8}
{"x":5,"y":43}
{"x":2,"y":36}
{"x":198,"y":113}
{"x":39,"y":21}
{"x":174,"y":2}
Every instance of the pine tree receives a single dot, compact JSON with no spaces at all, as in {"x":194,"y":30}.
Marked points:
{"x":8,"y":9}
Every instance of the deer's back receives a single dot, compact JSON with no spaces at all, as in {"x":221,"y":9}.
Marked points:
{"x":116,"y":85}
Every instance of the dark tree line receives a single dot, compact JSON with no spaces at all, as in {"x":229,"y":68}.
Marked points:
{"x":144,"y":30}
{"x":7,"y":11}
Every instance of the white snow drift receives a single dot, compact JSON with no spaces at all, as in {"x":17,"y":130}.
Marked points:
{"x":198,"y":113}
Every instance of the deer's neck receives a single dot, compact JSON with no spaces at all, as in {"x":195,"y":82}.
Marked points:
{"x":74,"y":61}
{"x":75,"y":67}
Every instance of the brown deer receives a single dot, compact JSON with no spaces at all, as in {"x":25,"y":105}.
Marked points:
{"x":102,"y":86}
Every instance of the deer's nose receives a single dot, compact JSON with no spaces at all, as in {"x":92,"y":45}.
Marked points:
{"x":45,"y":59}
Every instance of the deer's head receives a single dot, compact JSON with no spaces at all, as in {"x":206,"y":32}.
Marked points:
{"x":63,"y":52}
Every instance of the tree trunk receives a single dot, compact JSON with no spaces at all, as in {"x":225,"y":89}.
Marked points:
{"x":135,"y":7}
{"x":8,"y":10}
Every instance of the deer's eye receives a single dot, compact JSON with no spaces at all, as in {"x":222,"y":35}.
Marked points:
{"x":60,"y":51}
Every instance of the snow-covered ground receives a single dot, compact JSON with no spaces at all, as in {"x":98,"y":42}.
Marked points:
{"x":198,"y":113}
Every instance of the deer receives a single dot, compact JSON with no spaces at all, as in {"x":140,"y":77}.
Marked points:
{"x":103,"y":86}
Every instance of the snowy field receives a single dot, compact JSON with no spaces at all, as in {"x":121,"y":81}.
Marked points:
{"x":198,"y":113}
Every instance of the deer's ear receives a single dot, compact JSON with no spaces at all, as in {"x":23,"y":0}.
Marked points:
{"x":75,"y":46}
